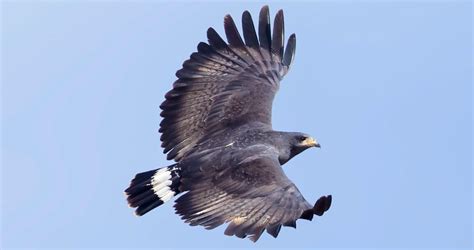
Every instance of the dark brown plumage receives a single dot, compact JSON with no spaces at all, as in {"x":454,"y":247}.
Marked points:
{"x":217,"y":127}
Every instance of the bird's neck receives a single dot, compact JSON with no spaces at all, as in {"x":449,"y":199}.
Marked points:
{"x":284,"y":150}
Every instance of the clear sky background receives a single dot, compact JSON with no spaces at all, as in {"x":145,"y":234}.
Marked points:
{"x":386,"y":88}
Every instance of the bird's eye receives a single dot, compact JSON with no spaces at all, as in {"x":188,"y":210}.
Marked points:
{"x":302,"y":138}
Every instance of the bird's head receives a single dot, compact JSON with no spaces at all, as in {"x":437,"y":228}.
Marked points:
{"x":303,"y":141}
{"x":298,"y":142}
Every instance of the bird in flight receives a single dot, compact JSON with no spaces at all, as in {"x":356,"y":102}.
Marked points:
{"x":217,"y":128}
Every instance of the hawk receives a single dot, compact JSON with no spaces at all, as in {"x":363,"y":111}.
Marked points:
{"x":217,"y":128}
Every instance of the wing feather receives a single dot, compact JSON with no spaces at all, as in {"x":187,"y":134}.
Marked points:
{"x":215,"y":40}
{"x":264,"y":33}
{"x":278,"y":35}
{"x":233,"y":36}
{"x":250,"y":36}
{"x":246,"y":189}
{"x":225,"y":84}
{"x":290,"y":50}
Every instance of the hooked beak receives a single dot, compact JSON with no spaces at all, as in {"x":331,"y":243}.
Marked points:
{"x":310,"y":142}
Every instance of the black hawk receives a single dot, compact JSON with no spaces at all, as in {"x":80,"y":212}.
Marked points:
{"x":217,"y":128}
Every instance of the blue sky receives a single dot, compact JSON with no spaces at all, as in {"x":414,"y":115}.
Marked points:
{"x":385,"y":87}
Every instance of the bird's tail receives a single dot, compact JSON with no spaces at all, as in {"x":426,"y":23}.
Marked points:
{"x":152,"y":188}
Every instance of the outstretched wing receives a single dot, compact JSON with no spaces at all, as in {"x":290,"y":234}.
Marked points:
{"x":252,"y":195}
{"x":226,"y":84}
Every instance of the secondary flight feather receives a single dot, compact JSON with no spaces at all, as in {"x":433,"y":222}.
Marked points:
{"x":217,"y":128}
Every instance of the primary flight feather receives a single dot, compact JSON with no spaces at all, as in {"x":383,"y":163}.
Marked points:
{"x":217,"y":128}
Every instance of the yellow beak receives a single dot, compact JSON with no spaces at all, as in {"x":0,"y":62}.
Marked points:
{"x":310,"y":142}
